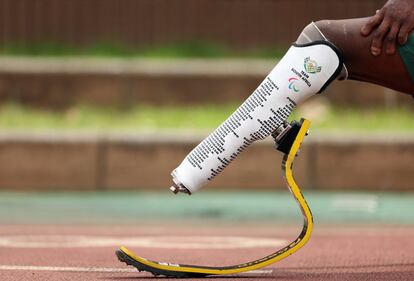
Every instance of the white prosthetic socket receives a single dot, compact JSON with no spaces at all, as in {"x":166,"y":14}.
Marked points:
{"x":305,"y":70}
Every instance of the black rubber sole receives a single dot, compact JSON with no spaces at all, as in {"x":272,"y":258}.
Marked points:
{"x":123,"y":257}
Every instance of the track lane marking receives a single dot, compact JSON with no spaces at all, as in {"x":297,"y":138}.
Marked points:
{"x":65,"y":268}
{"x":94,"y":269}
{"x":163,"y":242}
{"x":355,"y":203}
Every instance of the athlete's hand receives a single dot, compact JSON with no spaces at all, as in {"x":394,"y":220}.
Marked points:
{"x":390,"y":25}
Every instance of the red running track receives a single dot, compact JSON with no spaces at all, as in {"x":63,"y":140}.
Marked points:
{"x":334,"y":253}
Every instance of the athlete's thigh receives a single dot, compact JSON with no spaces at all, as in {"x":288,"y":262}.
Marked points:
{"x":385,"y":70}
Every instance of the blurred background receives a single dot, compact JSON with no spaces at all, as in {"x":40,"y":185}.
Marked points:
{"x":110,"y":95}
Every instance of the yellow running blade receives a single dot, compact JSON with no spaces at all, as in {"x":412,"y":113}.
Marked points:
{"x":182,"y":270}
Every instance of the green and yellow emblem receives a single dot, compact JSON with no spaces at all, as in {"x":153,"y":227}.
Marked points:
{"x":311,"y":66}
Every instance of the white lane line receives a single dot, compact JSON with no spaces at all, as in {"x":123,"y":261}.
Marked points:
{"x":163,"y":242}
{"x":65,"y":269}
{"x":94,"y":269}
{"x":355,"y":203}
{"x":259,"y":271}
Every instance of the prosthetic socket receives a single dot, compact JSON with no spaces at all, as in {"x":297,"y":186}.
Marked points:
{"x":305,"y":70}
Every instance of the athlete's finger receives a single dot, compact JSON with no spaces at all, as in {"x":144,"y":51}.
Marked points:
{"x":403,"y":33}
{"x":372,"y":23}
{"x":378,"y":38}
{"x":391,"y":39}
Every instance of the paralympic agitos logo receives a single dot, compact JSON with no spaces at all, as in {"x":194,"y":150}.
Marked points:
{"x":292,"y":86}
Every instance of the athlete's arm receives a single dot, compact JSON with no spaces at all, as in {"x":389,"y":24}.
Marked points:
{"x":390,"y":25}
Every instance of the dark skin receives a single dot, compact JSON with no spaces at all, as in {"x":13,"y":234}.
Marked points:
{"x":362,"y":42}
{"x":385,"y":70}
{"x":390,"y":26}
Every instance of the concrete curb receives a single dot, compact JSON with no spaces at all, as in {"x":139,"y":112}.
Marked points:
{"x":96,"y":161}
{"x":135,"y":66}
{"x":62,"y":82}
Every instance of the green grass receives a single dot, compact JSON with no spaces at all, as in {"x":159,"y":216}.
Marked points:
{"x":196,"y":49}
{"x":201,"y":117}
{"x":143,"y":117}
{"x":372,"y":120}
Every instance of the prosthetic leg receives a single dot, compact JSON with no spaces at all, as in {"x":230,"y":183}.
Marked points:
{"x":288,"y":140}
{"x":308,"y":67}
